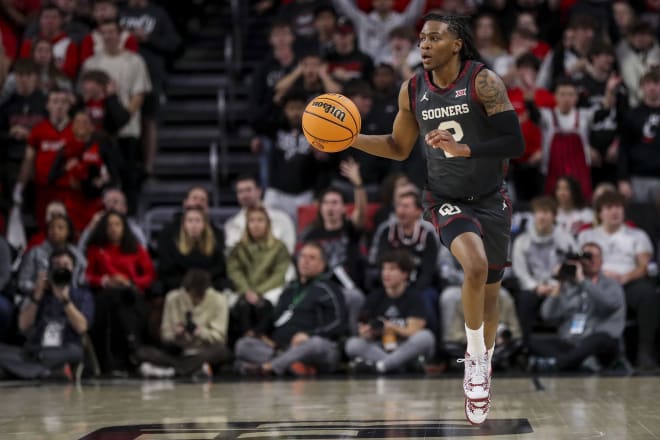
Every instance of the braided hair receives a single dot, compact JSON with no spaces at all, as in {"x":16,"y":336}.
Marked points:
{"x":459,"y":25}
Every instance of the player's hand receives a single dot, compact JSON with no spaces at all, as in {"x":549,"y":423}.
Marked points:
{"x":444,"y":140}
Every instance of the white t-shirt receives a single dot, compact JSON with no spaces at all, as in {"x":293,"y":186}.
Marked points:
{"x":130,"y":73}
{"x":571,"y":221}
{"x":620,"y":249}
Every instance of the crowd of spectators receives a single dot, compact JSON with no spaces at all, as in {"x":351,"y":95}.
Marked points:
{"x":364,"y":281}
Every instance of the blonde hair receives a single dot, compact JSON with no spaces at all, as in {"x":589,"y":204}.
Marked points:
{"x":206,"y":242}
{"x":246,"y":238}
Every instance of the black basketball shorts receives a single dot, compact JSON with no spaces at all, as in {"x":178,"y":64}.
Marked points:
{"x":489,"y":217}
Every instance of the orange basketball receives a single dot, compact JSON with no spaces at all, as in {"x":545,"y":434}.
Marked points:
{"x":331,"y":122}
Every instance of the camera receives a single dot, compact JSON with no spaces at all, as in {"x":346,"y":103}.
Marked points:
{"x":60,"y":276}
{"x":190,"y":325}
{"x":376,"y":327}
{"x":568,"y":269}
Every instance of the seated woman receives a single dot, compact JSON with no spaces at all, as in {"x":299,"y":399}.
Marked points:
{"x":257,"y":266}
{"x":59,"y":234}
{"x":119,"y":271}
{"x":573,"y":213}
{"x":194,"y":247}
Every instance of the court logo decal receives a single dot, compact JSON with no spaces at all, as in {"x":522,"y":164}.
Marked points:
{"x":449,"y":209}
{"x":318,"y":430}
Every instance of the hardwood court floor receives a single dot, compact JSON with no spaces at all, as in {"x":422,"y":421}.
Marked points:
{"x":567,"y":408}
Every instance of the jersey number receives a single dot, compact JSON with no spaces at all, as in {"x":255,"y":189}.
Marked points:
{"x":454,"y":127}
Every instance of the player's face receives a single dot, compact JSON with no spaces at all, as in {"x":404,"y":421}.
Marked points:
{"x":392,"y":276}
{"x":437,"y":45}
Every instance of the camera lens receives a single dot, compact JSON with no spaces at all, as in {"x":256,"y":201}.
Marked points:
{"x":60,"y":276}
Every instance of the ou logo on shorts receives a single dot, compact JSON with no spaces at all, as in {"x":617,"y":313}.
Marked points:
{"x":448,"y":209}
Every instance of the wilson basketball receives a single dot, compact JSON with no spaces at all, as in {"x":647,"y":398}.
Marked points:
{"x":331,"y":122}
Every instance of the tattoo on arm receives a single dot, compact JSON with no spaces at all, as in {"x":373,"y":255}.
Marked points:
{"x":492,"y":92}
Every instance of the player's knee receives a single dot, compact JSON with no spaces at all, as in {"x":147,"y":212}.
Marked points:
{"x":476,"y":270}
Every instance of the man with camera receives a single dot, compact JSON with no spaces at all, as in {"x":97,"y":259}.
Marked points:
{"x":193,"y":331}
{"x":392,"y":331}
{"x":590,"y":312}
{"x":52,"y":319}
{"x":627,"y":252}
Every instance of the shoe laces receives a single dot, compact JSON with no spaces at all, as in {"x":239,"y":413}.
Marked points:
{"x":476,"y":366}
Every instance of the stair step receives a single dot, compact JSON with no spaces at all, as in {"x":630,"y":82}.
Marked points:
{"x":183,"y":164}
{"x":195,"y":111}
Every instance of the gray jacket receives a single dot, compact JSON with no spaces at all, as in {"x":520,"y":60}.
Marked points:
{"x":603,"y":303}
{"x":535,"y":257}
{"x":36,"y":260}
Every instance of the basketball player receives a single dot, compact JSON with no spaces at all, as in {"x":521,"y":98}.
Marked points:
{"x":470,"y":131}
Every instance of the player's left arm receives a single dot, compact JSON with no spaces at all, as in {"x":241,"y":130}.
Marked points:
{"x":508,"y":141}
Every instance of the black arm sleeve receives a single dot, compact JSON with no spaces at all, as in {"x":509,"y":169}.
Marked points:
{"x":508,"y":144}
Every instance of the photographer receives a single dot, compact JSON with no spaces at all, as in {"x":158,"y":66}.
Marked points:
{"x":590,"y":311}
{"x":392,"y":329}
{"x":194,"y":331}
{"x":52,"y":318}
{"x":536,"y":253}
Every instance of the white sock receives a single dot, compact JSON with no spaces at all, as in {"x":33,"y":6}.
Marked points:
{"x":490,"y":354}
{"x":475,"y":341}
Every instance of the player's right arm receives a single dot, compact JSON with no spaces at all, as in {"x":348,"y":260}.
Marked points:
{"x":401,"y":141}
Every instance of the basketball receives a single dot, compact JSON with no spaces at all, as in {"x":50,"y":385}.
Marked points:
{"x":331,"y":122}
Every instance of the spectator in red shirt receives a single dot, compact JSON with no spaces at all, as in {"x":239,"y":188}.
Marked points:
{"x":79,"y":166}
{"x":526,"y":99}
{"x":92,"y":44}
{"x":65,"y":51}
{"x":119,"y":271}
{"x":45,"y":140}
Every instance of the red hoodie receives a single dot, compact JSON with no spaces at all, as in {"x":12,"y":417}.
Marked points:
{"x":109,"y":260}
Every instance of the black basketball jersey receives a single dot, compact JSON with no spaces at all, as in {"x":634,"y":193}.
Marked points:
{"x":458,"y":110}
